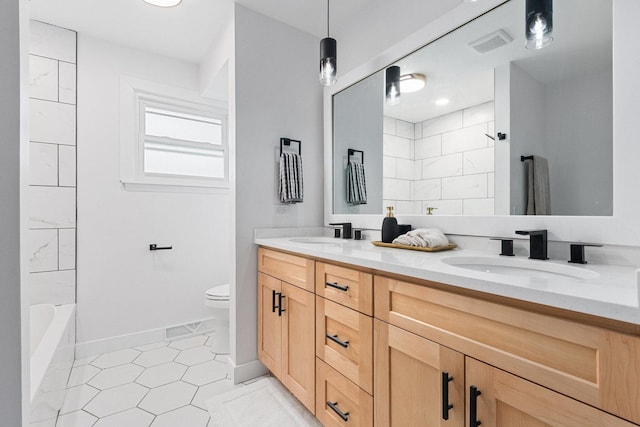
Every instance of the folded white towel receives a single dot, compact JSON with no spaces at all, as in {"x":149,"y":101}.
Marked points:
{"x":423,"y":237}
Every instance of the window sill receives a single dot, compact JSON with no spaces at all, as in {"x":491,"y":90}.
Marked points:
{"x":221,"y":188}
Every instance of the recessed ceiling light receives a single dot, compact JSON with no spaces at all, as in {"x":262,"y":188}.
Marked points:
{"x":164,"y":3}
{"x":412,"y":82}
{"x":442,"y":101}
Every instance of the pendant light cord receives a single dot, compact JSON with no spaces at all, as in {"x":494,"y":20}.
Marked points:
{"x":327,"y":18}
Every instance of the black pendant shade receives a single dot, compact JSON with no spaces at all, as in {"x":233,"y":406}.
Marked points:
{"x":328,"y":61}
{"x":539,"y":23}
{"x":392,"y":85}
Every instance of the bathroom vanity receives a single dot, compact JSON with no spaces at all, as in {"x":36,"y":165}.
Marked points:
{"x":398,"y":338}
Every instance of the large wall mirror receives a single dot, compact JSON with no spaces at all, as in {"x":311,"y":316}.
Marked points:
{"x":461,"y":144}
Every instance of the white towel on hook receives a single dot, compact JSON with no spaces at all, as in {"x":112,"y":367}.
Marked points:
{"x":356,"y":184}
{"x":423,"y":238}
{"x":291,"y":187}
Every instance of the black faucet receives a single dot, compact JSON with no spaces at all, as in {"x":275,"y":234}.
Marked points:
{"x":537,"y":243}
{"x":346,"y":229}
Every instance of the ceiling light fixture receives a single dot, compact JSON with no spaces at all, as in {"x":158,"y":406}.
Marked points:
{"x":164,"y":3}
{"x":412,"y":82}
{"x":539,"y":23}
{"x":328,"y":57}
{"x":392,"y":85}
{"x":442,"y":101}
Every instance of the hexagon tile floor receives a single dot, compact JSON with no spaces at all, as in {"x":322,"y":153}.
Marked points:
{"x":158,"y":385}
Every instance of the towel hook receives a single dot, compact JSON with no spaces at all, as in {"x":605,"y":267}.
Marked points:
{"x":286,"y":142}
{"x":351,"y":152}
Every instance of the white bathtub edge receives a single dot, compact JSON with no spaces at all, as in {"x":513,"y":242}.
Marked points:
{"x":47,"y":347}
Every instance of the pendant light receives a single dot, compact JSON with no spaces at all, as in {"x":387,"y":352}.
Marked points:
{"x":392,"y":85}
{"x":328,"y":57}
{"x":539,"y":23}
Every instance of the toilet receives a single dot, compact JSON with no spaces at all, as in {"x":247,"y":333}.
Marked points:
{"x":217,"y":299}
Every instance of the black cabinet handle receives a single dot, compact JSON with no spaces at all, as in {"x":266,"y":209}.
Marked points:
{"x":154,"y":247}
{"x":273,"y":301}
{"x":338,"y":287}
{"x":473,"y":406}
{"x":335,"y":339}
{"x":446,"y":406}
{"x":334,"y":406}
{"x":280,"y":309}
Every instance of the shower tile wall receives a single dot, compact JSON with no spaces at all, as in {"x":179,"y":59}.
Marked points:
{"x":52,"y":191}
{"x":446,"y":162}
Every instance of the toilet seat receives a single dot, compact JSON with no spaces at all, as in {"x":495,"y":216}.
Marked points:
{"x":218,"y":293}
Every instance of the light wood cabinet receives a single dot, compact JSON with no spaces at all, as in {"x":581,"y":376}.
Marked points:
{"x":418,"y":383}
{"x":286,"y":330}
{"x":591,"y":364}
{"x":341,"y":403}
{"x":344,"y":339}
{"x":347,"y":286}
{"x":499,"y":399}
{"x":433,"y":355}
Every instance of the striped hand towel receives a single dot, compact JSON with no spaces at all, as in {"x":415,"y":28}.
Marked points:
{"x":356,"y":185}
{"x":291,"y":188}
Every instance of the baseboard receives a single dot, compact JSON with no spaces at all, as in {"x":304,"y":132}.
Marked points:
{"x":136,"y":339}
{"x":246,"y":371}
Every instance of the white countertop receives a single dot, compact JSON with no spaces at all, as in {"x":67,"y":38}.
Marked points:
{"x":613,"y":292}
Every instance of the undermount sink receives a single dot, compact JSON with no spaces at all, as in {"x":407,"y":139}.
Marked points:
{"x":520,"y":267}
{"x":316,"y":240}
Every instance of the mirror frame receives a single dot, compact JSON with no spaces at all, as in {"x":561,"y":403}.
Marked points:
{"x":622,"y":228}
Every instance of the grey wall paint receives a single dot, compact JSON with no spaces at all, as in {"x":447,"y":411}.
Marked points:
{"x":579,"y":121}
{"x":527,"y":132}
{"x":10,"y":161}
{"x":277,"y":95}
{"x":358,"y":117}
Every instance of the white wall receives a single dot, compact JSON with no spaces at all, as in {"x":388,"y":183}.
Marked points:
{"x":13,"y":134}
{"x":277,"y":95}
{"x":52,"y":172}
{"x":124,"y":288}
{"x":381,"y":24}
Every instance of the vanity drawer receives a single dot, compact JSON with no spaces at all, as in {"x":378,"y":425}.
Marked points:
{"x":344,"y":340}
{"x":352,"y":406}
{"x":345,"y":286}
{"x":289,"y":268}
{"x":591,"y":364}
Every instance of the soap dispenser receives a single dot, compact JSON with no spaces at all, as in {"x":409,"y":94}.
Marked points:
{"x":389,"y":226}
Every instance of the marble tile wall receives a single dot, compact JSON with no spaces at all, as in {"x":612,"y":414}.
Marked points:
{"x":446,"y":162}
{"x":52,"y":192}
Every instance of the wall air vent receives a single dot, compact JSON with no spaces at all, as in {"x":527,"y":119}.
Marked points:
{"x":491,"y":41}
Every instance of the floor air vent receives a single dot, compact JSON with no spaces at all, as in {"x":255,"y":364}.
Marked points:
{"x":187,"y":329}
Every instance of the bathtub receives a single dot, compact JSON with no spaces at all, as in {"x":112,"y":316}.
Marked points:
{"x":52,"y":343}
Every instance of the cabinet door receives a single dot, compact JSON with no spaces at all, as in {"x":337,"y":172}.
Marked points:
{"x":269,"y":323}
{"x":410,"y":389}
{"x":298,"y":344}
{"x":509,"y":401}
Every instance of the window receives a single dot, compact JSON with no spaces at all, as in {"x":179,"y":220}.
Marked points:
{"x":171,"y":141}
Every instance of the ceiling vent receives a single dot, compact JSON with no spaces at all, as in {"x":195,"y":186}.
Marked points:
{"x":491,"y":41}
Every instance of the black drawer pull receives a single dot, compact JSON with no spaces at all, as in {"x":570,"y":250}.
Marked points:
{"x":446,"y":406}
{"x":338,"y":287}
{"x":280,"y":309}
{"x":338,"y":341}
{"x":473,"y":406}
{"x":273,"y":300}
{"x":334,"y":406}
